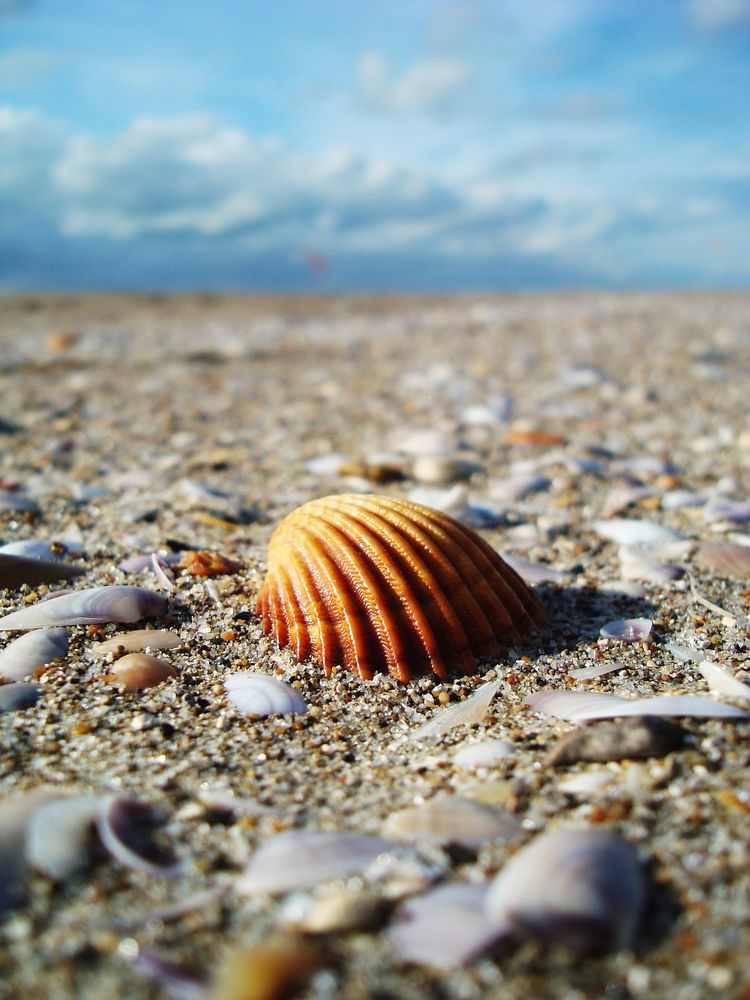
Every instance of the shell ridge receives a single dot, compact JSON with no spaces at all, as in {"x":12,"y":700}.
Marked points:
{"x":450,"y":585}
{"x":380,"y":562}
{"x":364,"y":590}
{"x":433,"y":600}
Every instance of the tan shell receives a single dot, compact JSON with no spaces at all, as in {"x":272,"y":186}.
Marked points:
{"x":374,"y":583}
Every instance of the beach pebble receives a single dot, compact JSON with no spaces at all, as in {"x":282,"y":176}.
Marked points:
{"x":624,"y":738}
{"x":136,"y":671}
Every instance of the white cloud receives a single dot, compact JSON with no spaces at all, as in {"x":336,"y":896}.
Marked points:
{"x":426,"y":86}
{"x":185,"y":198}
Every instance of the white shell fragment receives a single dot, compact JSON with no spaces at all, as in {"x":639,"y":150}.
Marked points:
{"x":304,"y":858}
{"x":464,"y":713}
{"x":721,"y":681}
{"x":725,"y":558}
{"x":579,"y":706}
{"x":482,"y":754}
{"x":129,"y":642}
{"x":447,"y":927}
{"x":531,"y":572}
{"x":123,"y":825}
{"x":633,"y":531}
{"x":58,"y":837}
{"x":450,"y":819}
{"x":627,"y":629}
{"x":596,"y":670}
{"x":259,"y":694}
{"x":583,"y":888}
{"x":636,"y":566}
{"x":20,"y":658}
{"x":97,"y":606}
{"x":727,"y":510}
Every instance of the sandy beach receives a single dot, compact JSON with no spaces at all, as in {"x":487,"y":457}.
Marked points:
{"x":159,"y":424}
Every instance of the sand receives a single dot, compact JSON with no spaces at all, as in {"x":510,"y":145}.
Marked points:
{"x":143,"y":424}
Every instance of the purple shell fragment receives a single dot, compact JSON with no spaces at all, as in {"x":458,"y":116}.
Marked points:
{"x":96,"y":606}
{"x":125,"y":826}
{"x":627,"y":629}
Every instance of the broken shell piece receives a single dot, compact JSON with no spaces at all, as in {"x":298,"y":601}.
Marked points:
{"x":58,"y":837}
{"x":20,"y":658}
{"x":583,"y":888}
{"x":721,"y":681}
{"x":136,"y":671}
{"x":447,"y":927}
{"x":18,"y":570}
{"x":725,"y":558}
{"x":375,"y":583}
{"x":482,"y":754}
{"x":259,"y":694}
{"x":464,"y":713}
{"x":19,"y":695}
{"x":124,"y":827}
{"x":581,"y":706}
{"x":128,"y":642}
{"x":635,"y":738}
{"x":627,"y":629}
{"x":97,"y":606}
{"x":636,"y":566}
{"x":596,"y":670}
{"x":450,"y":819}
{"x":532,"y":572}
{"x":304,"y":858}
{"x":632,"y":531}
{"x":205,"y":563}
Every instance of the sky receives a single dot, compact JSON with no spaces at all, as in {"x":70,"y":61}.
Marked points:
{"x":337,"y":145}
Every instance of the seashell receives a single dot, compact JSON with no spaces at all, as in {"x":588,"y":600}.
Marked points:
{"x":343,"y":911}
{"x":17,"y":570}
{"x":123,"y":826}
{"x":581,"y":706}
{"x":447,"y":927}
{"x":583,"y":888}
{"x":259,"y":694}
{"x":207,"y":563}
{"x":627,"y":629}
{"x":517,"y":487}
{"x":375,"y":583}
{"x":721,"y":681}
{"x":19,"y":695}
{"x":725,"y":558}
{"x":137,"y":671}
{"x":10,"y":500}
{"x":304,"y":858}
{"x":450,"y":819}
{"x":15,"y":813}
{"x":454,"y":501}
{"x":26,"y":654}
{"x":96,"y":606}
{"x":637,"y":566}
{"x":139,"y":564}
{"x":596,"y":670}
{"x":535,"y":572}
{"x":677,"y":499}
{"x":727,"y":510}
{"x":482,"y":754}
{"x":464,"y":713}
{"x":58,"y":837}
{"x":632,"y":531}
{"x":128,"y":642}
{"x":33,"y":548}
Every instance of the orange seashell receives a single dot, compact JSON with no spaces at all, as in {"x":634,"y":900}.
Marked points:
{"x":374,"y":583}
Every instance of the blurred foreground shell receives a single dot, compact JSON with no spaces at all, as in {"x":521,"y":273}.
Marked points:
{"x":375,"y":583}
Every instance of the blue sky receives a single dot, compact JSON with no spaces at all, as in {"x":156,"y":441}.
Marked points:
{"x":335,"y":144}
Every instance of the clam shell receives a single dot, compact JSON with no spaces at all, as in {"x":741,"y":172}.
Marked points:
{"x":136,"y":671}
{"x":258,"y":694}
{"x":584,"y":888}
{"x":23,"y":656}
{"x":375,"y":583}
{"x":451,"y":819}
{"x":17,"y":570}
{"x":131,"y":642}
{"x":96,"y":606}
{"x":19,"y":695}
{"x":59,"y":835}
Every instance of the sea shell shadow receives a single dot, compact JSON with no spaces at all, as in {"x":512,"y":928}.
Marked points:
{"x":576,"y":614}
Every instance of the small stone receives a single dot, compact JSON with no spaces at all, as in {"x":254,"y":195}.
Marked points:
{"x":342,"y":912}
{"x":635,"y":738}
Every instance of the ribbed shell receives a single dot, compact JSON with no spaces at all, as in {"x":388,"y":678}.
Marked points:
{"x":374,"y":583}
